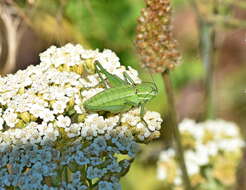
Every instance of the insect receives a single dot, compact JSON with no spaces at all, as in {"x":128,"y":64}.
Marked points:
{"x":121,"y":95}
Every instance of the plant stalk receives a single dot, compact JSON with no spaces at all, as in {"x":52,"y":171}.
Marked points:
{"x":207,"y":41}
{"x":207,"y":51}
{"x":176,"y":132}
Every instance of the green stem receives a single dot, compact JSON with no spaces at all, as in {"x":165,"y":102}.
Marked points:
{"x":207,"y":37}
{"x":207,"y":49}
{"x":66,"y":174}
{"x":90,"y":185}
{"x":176,"y":133}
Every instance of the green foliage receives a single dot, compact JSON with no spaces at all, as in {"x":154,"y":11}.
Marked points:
{"x":141,"y":177}
{"x":94,"y":19}
{"x":190,"y":70}
{"x":178,"y":3}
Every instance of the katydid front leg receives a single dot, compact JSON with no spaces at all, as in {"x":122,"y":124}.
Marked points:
{"x":132,"y":104}
{"x":142,"y":116}
{"x":128,"y":104}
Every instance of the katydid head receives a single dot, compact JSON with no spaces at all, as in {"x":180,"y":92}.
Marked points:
{"x":151,"y":90}
{"x":146,"y":91}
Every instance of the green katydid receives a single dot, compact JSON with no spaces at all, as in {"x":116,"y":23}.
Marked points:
{"x":121,"y":95}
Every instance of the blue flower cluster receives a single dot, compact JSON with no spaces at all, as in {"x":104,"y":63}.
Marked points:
{"x":80,"y":165}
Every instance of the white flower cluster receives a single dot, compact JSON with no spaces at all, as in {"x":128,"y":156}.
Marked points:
{"x":49,"y":141}
{"x":213,"y":146}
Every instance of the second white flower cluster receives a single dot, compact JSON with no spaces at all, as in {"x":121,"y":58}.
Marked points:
{"x":211,"y":146}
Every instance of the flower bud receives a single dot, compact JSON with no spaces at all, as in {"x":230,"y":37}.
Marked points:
{"x":32,"y":117}
{"x":80,"y":118}
{"x":66,"y":68}
{"x":20,"y":124}
{"x":79,"y":69}
{"x":90,"y":66}
{"x":21,"y":90}
{"x":71,"y":103}
{"x":25,"y":116}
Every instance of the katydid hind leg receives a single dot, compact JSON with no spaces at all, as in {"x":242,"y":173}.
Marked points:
{"x":142,"y":114}
{"x":119,"y":120}
{"x":128,"y":78}
{"x":113,"y":80}
{"x":100,"y":76}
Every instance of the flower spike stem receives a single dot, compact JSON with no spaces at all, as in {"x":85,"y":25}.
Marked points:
{"x":208,"y":56}
{"x":176,"y":132}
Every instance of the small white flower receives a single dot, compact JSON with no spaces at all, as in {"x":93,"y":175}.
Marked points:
{"x":178,"y":180}
{"x":161,"y":172}
{"x":202,"y":155}
{"x":212,"y":148}
{"x":70,"y":92}
{"x":59,"y":107}
{"x":167,"y":155}
{"x":91,"y":92}
{"x":191,"y":162}
{"x":79,"y":109}
{"x":63,"y":121}
{"x":133,"y":74}
{"x":18,"y":133}
{"x":10,"y":118}
{"x":74,"y":130}
{"x":47,"y":115}
{"x":130,"y":119}
{"x":50,"y":133}
{"x":36,"y":110}
{"x":93,"y":80}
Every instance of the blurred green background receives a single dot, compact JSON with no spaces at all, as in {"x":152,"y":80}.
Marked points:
{"x":110,"y":24}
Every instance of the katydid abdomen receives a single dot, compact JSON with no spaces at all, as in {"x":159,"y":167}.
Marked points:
{"x":114,"y":100}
